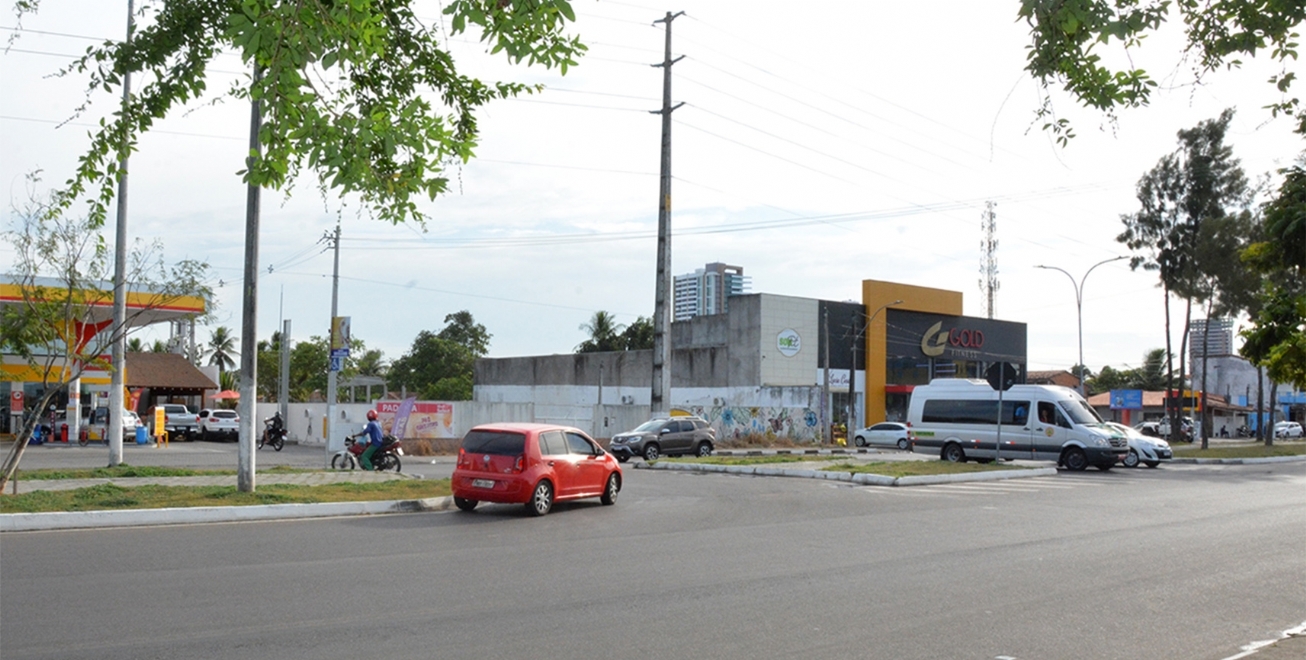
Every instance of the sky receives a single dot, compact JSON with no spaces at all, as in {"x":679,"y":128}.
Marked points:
{"x":815,"y":150}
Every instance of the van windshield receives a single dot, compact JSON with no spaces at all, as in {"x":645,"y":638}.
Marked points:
{"x":1080,"y":412}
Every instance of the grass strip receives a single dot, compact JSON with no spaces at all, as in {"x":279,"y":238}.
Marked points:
{"x":139,"y":471}
{"x":919,"y":468}
{"x":1257,"y":450}
{"x":109,"y":496}
{"x":752,"y":460}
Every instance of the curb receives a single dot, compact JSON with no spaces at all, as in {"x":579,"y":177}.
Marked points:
{"x":862,"y":478}
{"x":29,"y":522}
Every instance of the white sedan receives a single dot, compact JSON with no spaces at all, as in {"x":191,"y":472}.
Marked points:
{"x":1287,"y":430}
{"x":888,"y":434}
{"x":1149,"y":451}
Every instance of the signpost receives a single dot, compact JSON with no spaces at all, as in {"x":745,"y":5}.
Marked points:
{"x":1001,"y":376}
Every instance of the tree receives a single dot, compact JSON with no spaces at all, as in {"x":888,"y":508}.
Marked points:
{"x":435,"y":368}
{"x":158,"y":346}
{"x":221,"y":345}
{"x":638,"y":335}
{"x":461,"y":328}
{"x":62,"y":324}
{"x":604,"y":334}
{"x":1189,"y":187}
{"x":346,"y":88}
{"x":1066,"y":39}
{"x":135,"y":345}
{"x":1277,"y":339}
{"x":372,"y":363}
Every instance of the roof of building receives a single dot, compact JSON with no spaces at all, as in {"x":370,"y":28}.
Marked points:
{"x":1056,"y":377}
{"x":164,"y":371}
{"x":1157,"y":400}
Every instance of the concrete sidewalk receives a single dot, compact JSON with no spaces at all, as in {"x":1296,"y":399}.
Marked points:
{"x":318,"y":478}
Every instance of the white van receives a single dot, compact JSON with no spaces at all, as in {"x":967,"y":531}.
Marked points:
{"x":957,"y":419}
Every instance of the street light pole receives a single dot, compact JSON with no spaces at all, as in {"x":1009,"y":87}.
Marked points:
{"x":1079,"y":309}
{"x":852,"y":370}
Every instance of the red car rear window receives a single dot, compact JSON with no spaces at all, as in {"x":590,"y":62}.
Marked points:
{"x":499,"y":443}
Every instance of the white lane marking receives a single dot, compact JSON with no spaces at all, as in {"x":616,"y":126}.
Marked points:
{"x":1255,"y":647}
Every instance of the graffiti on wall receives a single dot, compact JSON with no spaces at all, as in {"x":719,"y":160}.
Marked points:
{"x":801,"y":424}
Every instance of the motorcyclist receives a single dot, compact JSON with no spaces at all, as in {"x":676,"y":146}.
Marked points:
{"x":373,"y":431}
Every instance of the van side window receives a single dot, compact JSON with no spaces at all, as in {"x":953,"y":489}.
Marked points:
{"x":1062,"y":421}
{"x":1015,"y":412}
{"x":1047,"y":412}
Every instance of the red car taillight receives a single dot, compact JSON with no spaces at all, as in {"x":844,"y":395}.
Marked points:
{"x":520,"y":465}
{"x":462,"y":459}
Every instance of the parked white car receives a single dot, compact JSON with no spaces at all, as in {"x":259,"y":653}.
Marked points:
{"x":889,"y":434}
{"x":216,"y":422}
{"x":1287,"y":430}
{"x":1147,"y":450}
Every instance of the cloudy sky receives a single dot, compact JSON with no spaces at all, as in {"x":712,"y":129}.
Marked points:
{"x":815,"y":150}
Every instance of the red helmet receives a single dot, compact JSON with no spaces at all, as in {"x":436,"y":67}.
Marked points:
{"x":371,"y":415}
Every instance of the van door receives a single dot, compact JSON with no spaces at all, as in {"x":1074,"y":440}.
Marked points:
{"x":1017,"y":435}
{"x":1051,"y":430}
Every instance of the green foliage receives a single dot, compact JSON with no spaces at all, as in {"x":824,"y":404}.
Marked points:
{"x":439,"y":365}
{"x":1066,"y":40}
{"x":361,"y":93}
{"x":1150,"y":377}
{"x":604,"y":334}
{"x":221,"y":347}
{"x":1277,"y":340}
{"x":639,"y":335}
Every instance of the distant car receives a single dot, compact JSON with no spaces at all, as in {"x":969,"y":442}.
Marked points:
{"x":224,"y":424}
{"x":1287,"y":430}
{"x":888,"y":434}
{"x":1151,"y":429}
{"x":178,"y":420}
{"x":99,"y":423}
{"x":668,"y":436}
{"x":532,"y":464}
{"x":1148,"y":450}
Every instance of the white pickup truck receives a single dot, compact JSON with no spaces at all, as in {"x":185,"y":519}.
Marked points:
{"x":179,"y":421}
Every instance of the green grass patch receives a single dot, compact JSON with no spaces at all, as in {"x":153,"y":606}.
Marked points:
{"x":919,"y":468}
{"x":1249,"y":450}
{"x":109,"y":496}
{"x":140,"y":471}
{"x":752,"y":460}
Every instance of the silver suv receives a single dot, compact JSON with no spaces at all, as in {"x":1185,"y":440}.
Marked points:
{"x":664,"y":437}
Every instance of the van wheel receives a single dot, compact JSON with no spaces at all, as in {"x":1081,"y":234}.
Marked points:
{"x":953,"y":453}
{"x":1075,"y":459}
{"x":1131,"y":459}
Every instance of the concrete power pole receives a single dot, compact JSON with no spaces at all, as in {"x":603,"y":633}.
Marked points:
{"x":661,"y":397}
{"x":116,"y":380}
{"x":329,"y":427}
{"x":989,"y":259}
{"x":249,"y":313}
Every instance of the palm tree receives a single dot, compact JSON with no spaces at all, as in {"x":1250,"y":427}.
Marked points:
{"x":605,"y":334}
{"x":135,"y":345}
{"x":221,"y":346}
{"x":158,"y":346}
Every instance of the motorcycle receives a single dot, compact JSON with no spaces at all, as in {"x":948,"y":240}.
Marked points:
{"x":274,"y":432}
{"x":386,"y":457}
{"x":1243,"y":431}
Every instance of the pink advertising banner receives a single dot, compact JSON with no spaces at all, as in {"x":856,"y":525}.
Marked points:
{"x":425,"y":419}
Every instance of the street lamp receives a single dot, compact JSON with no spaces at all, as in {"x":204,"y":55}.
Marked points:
{"x":1079,"y":309}
{"x":852,"y":370}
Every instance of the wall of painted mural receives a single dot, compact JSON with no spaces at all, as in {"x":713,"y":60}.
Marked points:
{"x":734,"y":423}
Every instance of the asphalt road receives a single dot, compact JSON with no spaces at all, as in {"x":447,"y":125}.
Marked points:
{"x":1179,"y":562}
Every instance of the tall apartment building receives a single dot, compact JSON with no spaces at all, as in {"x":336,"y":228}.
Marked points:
{"x":704,"y":292}
{"x":1217,"y":334}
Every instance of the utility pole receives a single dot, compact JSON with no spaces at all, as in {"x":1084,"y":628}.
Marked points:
{"x":828,"y":415}
{"x":118,"y":354}
{"x":660,"y":401}
{"x":989,"y":260}
{"x":283,"y":387}
{"x":249,"y":313}
{"x":329,"y":426}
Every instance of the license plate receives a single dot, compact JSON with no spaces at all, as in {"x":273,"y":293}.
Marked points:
{"x":482,"y":483}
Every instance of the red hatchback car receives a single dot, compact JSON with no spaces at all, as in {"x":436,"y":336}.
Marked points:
{"x":532,"y":464}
